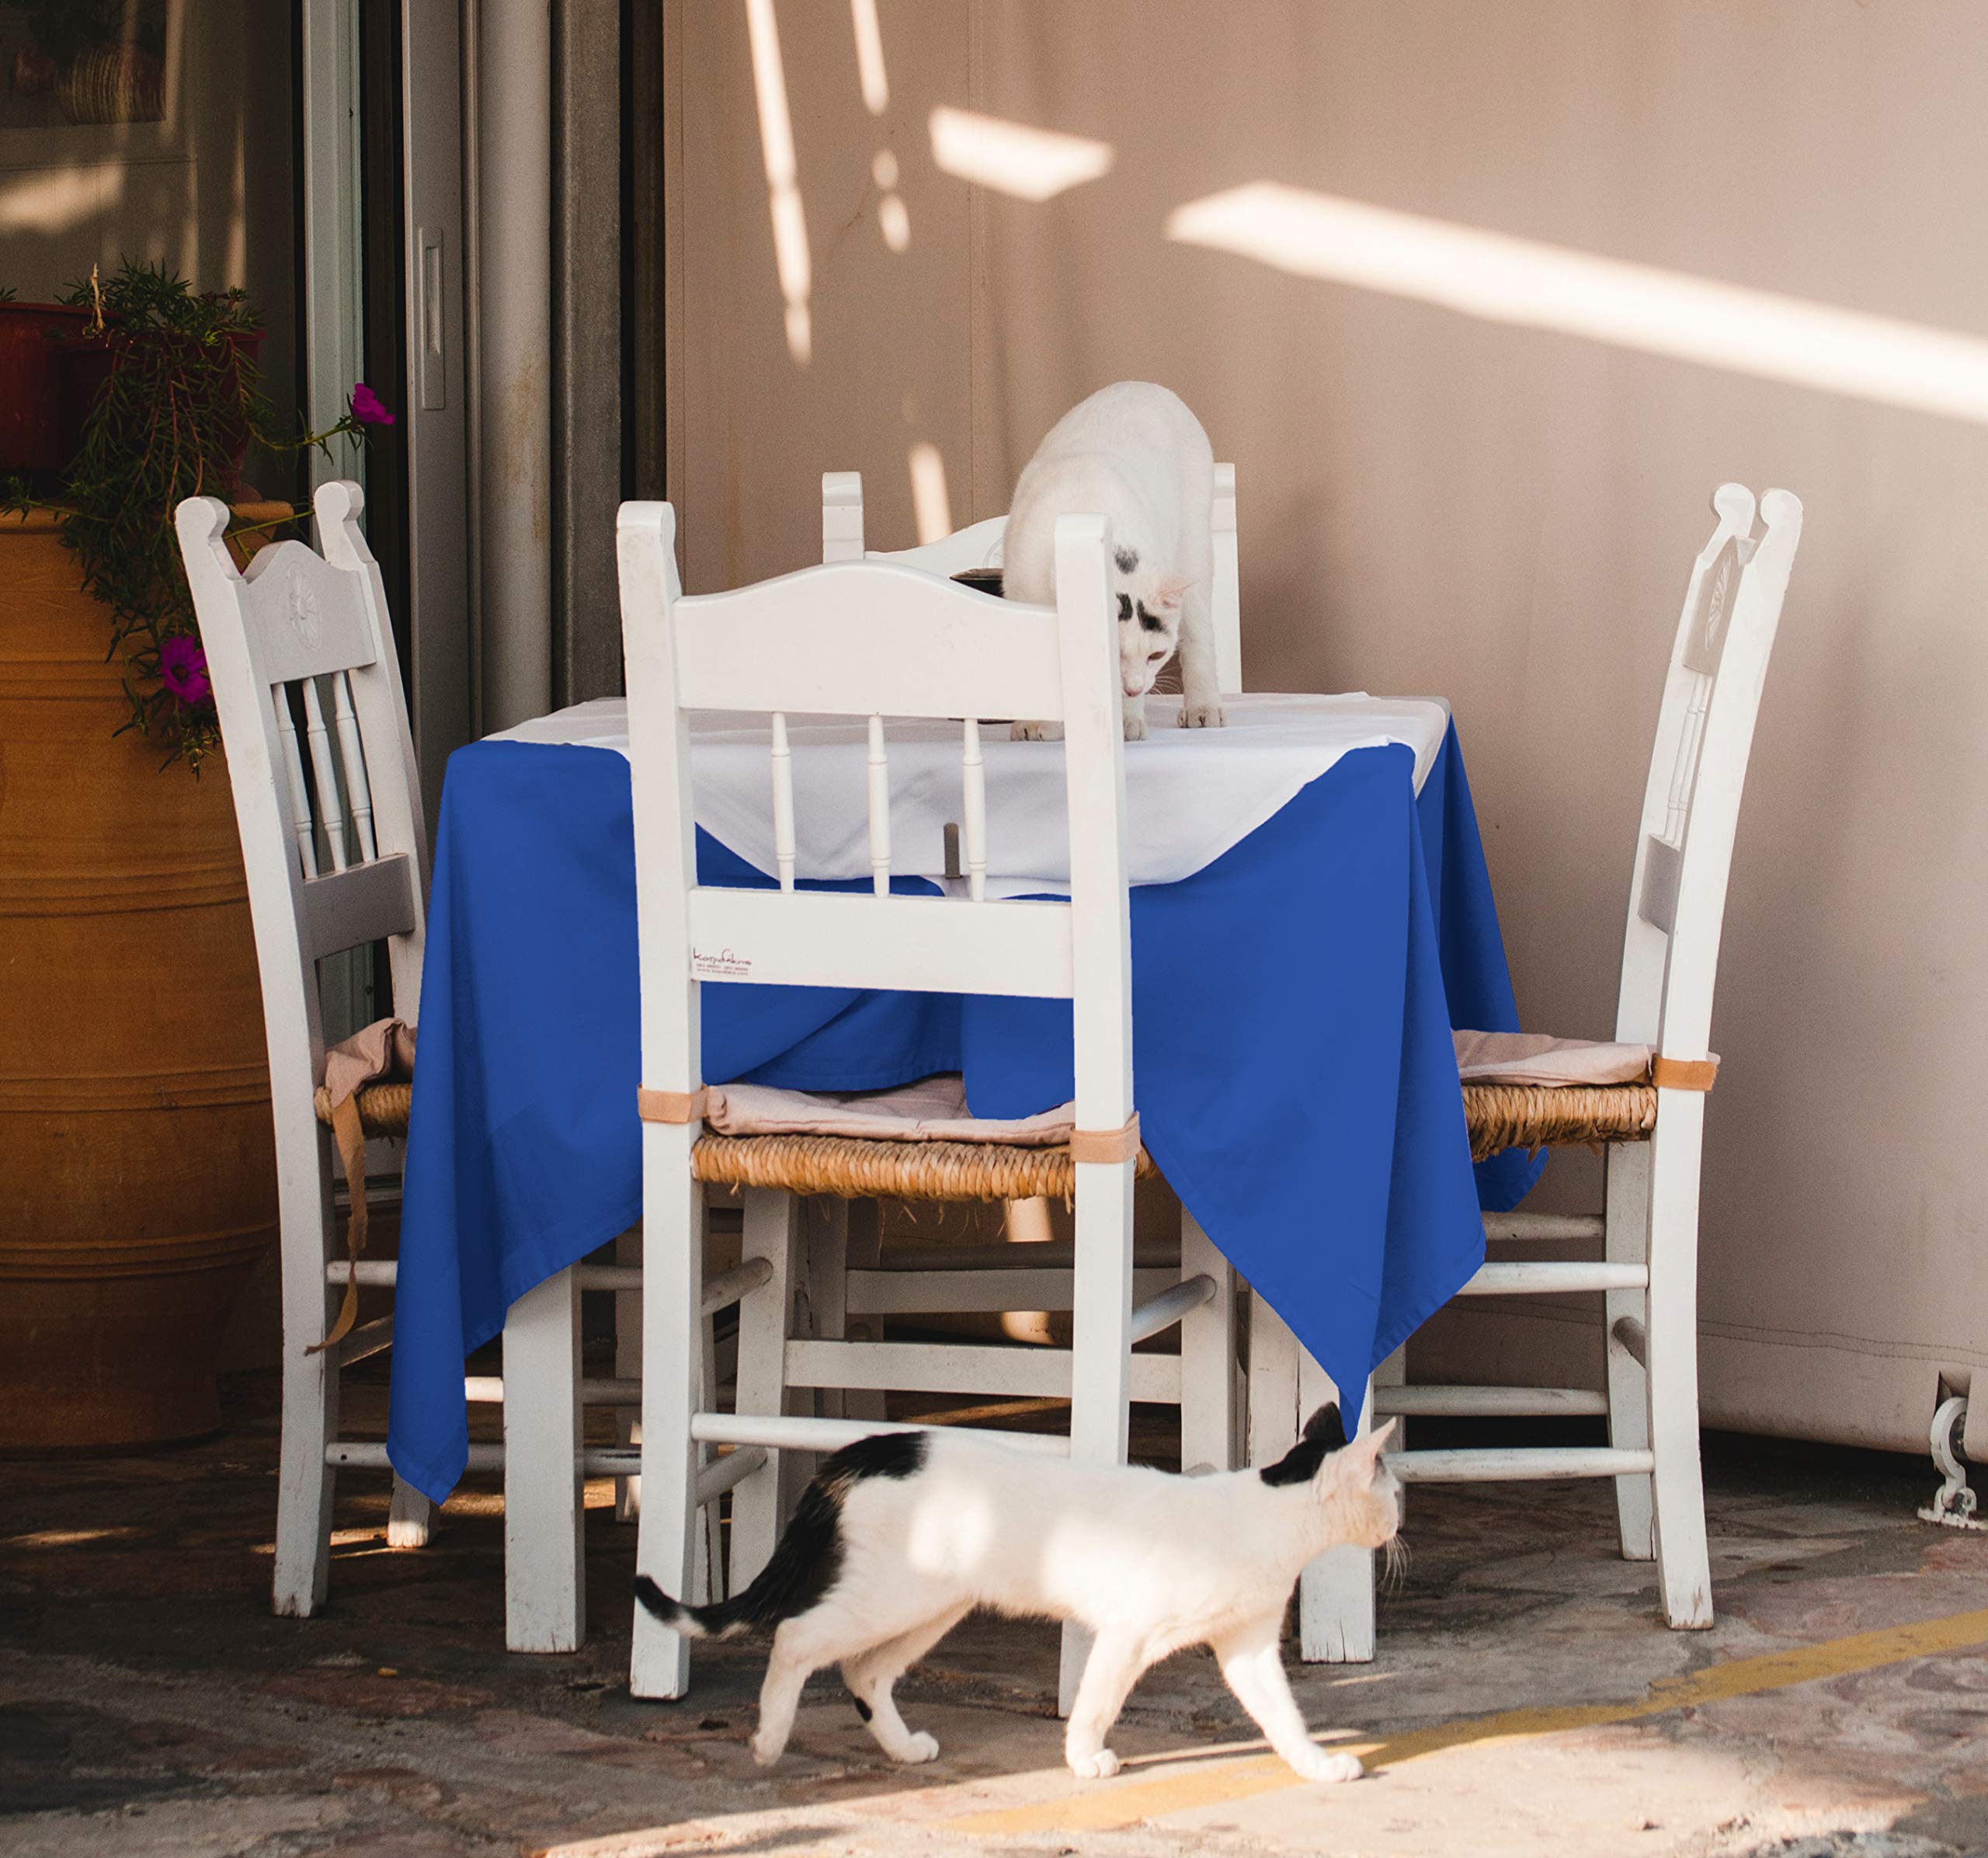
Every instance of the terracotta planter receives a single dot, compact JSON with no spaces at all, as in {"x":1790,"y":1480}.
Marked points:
{"x":33,"y":436}
{"x":138,"y":1183}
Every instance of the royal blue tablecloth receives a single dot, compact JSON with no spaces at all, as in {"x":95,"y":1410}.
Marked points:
{"x":1293,"y":1067}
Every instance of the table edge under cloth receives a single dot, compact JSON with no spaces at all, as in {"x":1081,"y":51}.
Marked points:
{"x":1186,"y":802}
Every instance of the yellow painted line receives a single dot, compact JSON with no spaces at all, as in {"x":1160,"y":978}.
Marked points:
{"x":1112,"y":1804}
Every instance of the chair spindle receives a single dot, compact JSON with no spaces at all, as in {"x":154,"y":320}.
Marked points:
{"x":880,"y":810}
{"x":329,"y":810}
{"x":974,"y":771}
{"x":783,"y":762}
{"x":299,"y":798}
{"x":352,"y":755}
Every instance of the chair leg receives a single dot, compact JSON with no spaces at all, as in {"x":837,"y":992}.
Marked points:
{"x":1101,"y":1348}
{"x":821,"y":1312}
{"x":772,"y":1232}
{"x":1683,"y":1567}
{"x":708,"y":1582}
{"x":1336,"y":1592}
{"x":1392,"y":1372}
{"x":310,"y":1400}
{"x":1208,"y":1357}
{"x":863,"y":1249}
{"x":628,"y":1366}
{"x":1273,"y":1384}
{"x":544,"y":1570}
{"x":408,"y":1524}
{"x":1628,"y":1242}
{"x":675,"y":1342}
{"x":825,"y":1285}
{"x":707,"y":1578}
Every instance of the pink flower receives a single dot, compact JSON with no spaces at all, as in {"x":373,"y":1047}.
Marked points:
{"x":366,"y":407}
{"x":183,"y":669}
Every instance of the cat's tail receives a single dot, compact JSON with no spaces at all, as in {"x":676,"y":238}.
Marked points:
{"x":808,"y":1558}
{"x":725,"y":1620}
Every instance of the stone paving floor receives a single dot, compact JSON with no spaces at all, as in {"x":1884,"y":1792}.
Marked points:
{"x":150,"y":1704}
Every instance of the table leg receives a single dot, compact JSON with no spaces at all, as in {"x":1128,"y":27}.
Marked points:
{"x":1335,"y":1592}
{"x":544,"y":1570}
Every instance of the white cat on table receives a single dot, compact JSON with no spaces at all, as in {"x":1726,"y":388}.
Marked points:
{"x":1134,"y":453}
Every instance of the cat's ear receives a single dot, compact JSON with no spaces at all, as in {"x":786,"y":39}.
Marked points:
{"x":1361,"y":1459}
{"x":1168,"y":592}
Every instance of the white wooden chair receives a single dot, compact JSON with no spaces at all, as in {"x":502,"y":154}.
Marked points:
{"x":978,"y":1285}
{"x":873,"y":638}
{"x":979,"y":546}
{"x":1652,"y":1129}
{"x":337,"y":862}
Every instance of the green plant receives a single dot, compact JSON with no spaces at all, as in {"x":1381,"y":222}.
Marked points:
{"x":179,"y":404}
{"x":6,"y":292}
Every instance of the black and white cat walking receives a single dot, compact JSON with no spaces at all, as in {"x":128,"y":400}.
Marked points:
{"x":903,"y":1534}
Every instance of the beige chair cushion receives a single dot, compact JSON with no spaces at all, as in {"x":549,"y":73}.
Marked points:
{"x":1534,"y":1058}
{"x":933,"y":1109}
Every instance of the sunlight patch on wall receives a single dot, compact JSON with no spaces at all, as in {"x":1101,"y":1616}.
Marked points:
{"x":932,"y":509}
{"x":892,"y":218}
{"x":54,"y":202}
{"x":1502,"y":279}
{"x":1013,"y":158}
{"x":783,"y":191}
{"x":870,"y":57}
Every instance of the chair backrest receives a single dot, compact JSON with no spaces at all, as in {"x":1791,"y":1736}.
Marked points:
{"x":336,"y":857}
{"x":979,"y":545}
{"x":875,"y":639}
{"x":1697,"y":771}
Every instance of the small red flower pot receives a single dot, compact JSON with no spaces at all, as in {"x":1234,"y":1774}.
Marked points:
{"x":33,"y":436}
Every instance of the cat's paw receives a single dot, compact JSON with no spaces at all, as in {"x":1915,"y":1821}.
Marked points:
{"x":1135,"y":728}
{"x":1320,"y":1765}
{"x":1202,"y":716}
{"x":921,"y":1748}
{"x":1100,"y":1766}
{"x":766,"y":1751}
{"x":1035,"y":732}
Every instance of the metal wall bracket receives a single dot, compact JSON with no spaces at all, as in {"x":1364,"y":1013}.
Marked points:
{"x":1953,"y":1503}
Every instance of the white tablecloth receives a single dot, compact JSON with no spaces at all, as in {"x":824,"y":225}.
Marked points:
{"x":1191,"y":794}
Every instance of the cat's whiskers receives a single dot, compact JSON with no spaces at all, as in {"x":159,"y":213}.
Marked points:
{"x":1397,"y":1555}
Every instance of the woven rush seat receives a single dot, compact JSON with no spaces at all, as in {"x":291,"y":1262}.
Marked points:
{"x":1534,"y":1116}
{"x":915,"y":1142}
{"x":383,"y":1107}
{"x":855,"y":1168}
{"x":1526,"y":1090}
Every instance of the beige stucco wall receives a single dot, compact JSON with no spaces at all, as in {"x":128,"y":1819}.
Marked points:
{"x":1499,"y":514}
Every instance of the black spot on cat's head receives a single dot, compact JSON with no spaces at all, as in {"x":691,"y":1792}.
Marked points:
{"x":1151,"y":621}
{"x":1326,"y":1423}
{"x":1124,"y":606}
{"x":1325,"y":1433}
{"x":1127,"y":559}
